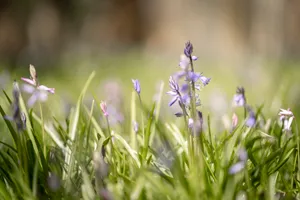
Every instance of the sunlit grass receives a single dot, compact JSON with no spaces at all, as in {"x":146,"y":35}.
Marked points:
{"x":83,"y":156}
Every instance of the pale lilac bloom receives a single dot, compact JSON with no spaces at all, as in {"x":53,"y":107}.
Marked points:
{"x":194,"y":58}
{"x":136,"y":85}
{"x":204,"y":80}
{"x":39,"y":92}
{"x":239,"y":98}
{"x":236,"y":168}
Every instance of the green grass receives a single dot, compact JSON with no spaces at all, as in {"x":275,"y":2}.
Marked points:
{"x":80,"y":155}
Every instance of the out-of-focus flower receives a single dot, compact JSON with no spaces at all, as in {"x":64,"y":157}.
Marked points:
{"x":287,"y":117}
{"x":53,"y":181}
{"x":251,"y":120}
{"x":235,"y":121}
{"x":103,"y":107}
{"x":239,"y":166}
{"x":34,"y":81}
{"x":188,"y":50}
{"x":239,"y":98}
{"x":39,"y":92}
{"x":135,"y":126}
{"x":184,"y":62}
{"x":136,"y":85}
{"x":18,"y":117}
{"x":285,"y":113}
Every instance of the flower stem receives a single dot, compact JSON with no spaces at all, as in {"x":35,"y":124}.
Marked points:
{"x":43,"y":130}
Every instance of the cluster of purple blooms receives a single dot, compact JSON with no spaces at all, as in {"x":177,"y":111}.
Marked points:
{"x":192,"y":82}
{"x":239,"y":100}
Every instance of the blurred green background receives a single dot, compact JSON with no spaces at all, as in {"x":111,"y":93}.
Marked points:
{"x":254,"y":43}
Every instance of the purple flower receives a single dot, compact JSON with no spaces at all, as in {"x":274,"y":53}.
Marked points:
{"x":184,"y":88}
{"x":192,"y":76}
{"x":251,"y":120}
{"x":239,"y":98}
{"x":175,"y":92}
{"x":18,"y":117}
{"x":136,"y":85}
{"x":204,"y":80}
{"x":239,"y":166}
{"x":236,"y":168}
{"x":188,"y":50}
{"x":39,"y":92}
{"x":34,"y":81}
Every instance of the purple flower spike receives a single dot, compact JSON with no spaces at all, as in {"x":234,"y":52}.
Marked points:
{"x":136,"y":85}
{"x":188,"y":50}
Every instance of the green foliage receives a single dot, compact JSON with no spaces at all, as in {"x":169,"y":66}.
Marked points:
{"x":86,"y":158}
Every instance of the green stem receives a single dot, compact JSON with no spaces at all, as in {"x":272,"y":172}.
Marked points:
{"x":298,"y":150}
{"x":43,"y":129}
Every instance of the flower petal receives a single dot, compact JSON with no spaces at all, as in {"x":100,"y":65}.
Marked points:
{"x":194,"y":58}
{"x":31,"y":101}
{"x":45,"y":88}
{"x":29,"y":81}
{"x":173,"y":101}
{"x":205,"y":80}
{"x":172,"y":93}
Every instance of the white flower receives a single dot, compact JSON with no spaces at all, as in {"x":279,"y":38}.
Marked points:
{"x":287,"y":117}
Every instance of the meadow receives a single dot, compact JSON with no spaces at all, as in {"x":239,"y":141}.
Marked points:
{"x":151,"y":140}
